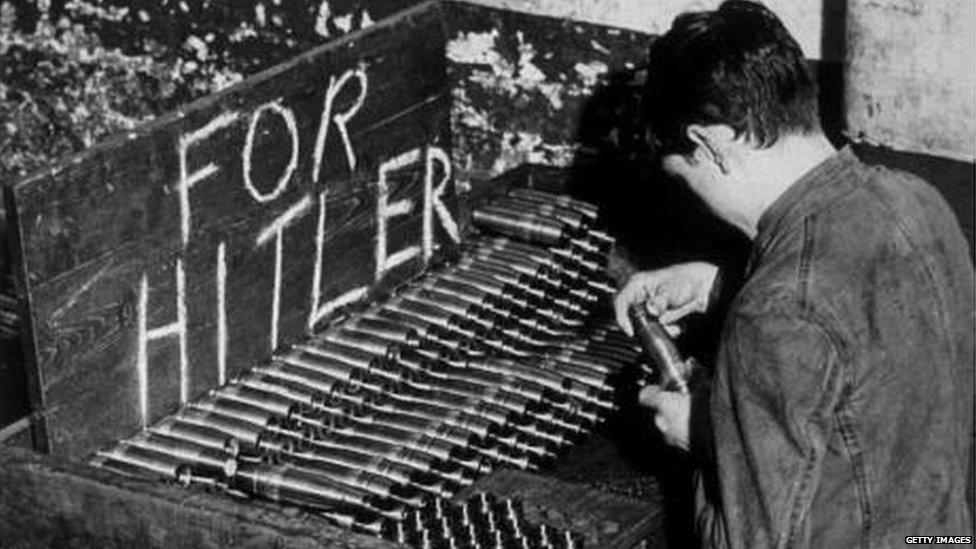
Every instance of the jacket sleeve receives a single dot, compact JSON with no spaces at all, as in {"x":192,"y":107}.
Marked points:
{"x":777,"y":380}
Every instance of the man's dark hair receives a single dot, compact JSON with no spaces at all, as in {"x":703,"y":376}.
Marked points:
{"x":738,"y":66}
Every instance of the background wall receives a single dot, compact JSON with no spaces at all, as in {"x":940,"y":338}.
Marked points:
{"x":802,"y":18}
{"x":910,"y":79}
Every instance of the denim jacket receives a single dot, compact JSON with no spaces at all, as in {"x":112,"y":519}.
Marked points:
{"x":842,"y":401}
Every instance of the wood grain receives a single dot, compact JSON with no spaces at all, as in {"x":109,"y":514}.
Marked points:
{"x":94,"y":226}
{"x":48,"y":501}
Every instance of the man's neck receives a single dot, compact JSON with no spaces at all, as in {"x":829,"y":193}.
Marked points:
{"x":776,"y":169}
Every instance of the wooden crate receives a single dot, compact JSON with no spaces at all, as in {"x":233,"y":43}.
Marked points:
{"x":162,"y":262}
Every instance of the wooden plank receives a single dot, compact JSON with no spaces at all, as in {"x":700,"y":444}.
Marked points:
{"x":47,"y":501}
{"x":121,"y":243}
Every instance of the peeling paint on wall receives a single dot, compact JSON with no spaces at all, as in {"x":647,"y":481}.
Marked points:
{"x":520,"y":91}
{"x":591,"y":72}
{"x":803,"y":19}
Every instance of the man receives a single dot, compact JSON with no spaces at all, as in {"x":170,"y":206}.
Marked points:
{"x":840,"y":411}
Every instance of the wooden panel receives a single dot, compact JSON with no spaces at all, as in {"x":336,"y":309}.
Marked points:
{"x":49,"y":502}
{"x":110,"y":237}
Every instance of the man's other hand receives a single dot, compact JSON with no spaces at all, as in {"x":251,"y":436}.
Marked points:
{"x":672,"y":414}
{"x":669,"y":293}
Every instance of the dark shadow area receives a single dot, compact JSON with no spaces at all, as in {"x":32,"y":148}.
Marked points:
{"x":13,"y":381}
{"x":657,"y":221}
{"x":829,"y":69}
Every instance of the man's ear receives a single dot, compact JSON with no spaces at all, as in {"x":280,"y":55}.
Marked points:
{"x":712,"y":140}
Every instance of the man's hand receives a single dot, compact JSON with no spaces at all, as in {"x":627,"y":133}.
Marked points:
{"x":669,"y":293}
{"x":672,"y":414}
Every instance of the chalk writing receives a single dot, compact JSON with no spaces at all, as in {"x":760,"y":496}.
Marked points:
{"x":188,"y":180}
{"x":319,"y":311}
{"x":433,"y":200}
{"x":246,"y":155}
{"x":276,"y":229}
{"x":384,"y":211}
{"x":437,"y":173}
{"x":176,"y":328}
{"x":341,"y":120}
{"x":221,"y":313}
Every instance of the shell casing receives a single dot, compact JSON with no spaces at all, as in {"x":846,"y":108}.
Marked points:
{"x":408,"y":424}
{"x":465,"y":315}
{"x":151,"y":462}
{"x":585,"y":208}
{"x":465,"y":389}
{"x":479,"y":309}
{"x":302,"y":416}
{"x":204,"y":460}
{"x":467,"y":293}
{"x":397,"y":453}
{"x":214,"y":403}
{"x":527,"y":388}
{"x":395,"y":344}
{"x":299,"y":356}
{"x":501,"y":248}
{"x":579,"y":258}
{"x":479,"y":426}
{"x":536,"y":271}
{"x":432,"y":315}
{"x":105,"y":461}
{"x":369,"y":323}
{"x":352,"y":380}
{"x":578,"y":220}
{"x":570,"y":224}
{"x":268,"y":422}
{"x":292,"y":390}
{"x":489,"y":285}
{"x":246,"y":433}
{"x":616,"y":357}
{"x":527,"y":285}
{"x":547,"y":278}
{"x":200,"y":434}
{"x":373,"y":345}
{"x":360,"y":479}
{"x":396,"y":471}
{"x":300,"y":375}
{"x":301,"y":394}
{"x":427,"y":330}
{"x":533,"y":230}
{"x":290,"y":484}
{"x":272,"y":403}
{"x":508,"y":244}
{"x":542,"y":207}
{"x":620,"y":353}
{"x":582,"y":364}
{"x":519,"y":296}
{"x":437,"y":448}
{"x":474,"y":406}
{"x":533,"y":225}
{"x":545,"y":379}
{"x":587,"y":248}
{"x":355,"y":357}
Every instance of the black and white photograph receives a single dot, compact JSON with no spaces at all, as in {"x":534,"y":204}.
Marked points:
{"x":487,"y":274}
